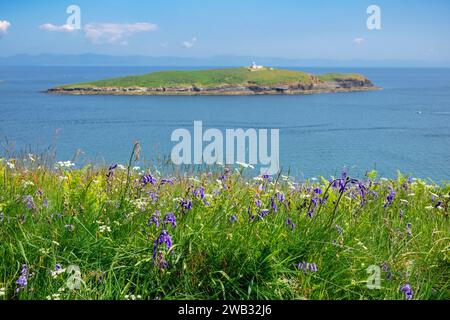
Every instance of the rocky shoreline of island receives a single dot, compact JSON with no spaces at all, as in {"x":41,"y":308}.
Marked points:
{"x":348,"y":85}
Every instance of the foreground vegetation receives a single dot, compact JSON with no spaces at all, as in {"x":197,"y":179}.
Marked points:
{"x":136,"y":234}
{"x":215,"y":78}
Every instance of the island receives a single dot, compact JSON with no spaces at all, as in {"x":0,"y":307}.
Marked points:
{"x":252,"y":80}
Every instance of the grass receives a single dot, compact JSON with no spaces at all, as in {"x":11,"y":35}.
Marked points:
{"x":224,"y":246}
{"x":212,"y":78}
{"x":330,"y":77}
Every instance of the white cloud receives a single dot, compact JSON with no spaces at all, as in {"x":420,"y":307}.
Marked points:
{"x":4,"y":26}
{"x":115,"y":33}
{"x":53,"y":28}
{"x":189,"y":44}
{"x":359,"y":41}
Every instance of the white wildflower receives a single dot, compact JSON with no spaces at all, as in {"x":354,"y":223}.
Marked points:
{"x":10,"y":165}
{"x":103,"y":229}
{"x":64,"y":165}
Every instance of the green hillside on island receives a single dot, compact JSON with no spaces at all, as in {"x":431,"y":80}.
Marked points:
{"x":243,"y":80}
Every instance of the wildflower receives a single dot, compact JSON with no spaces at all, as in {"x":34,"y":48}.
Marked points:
{"x":199,"y":191}
{"x":153,"y":196}
{"x":121,"y":167}
{"x":406,"y":289}
{"x":58,"y":270}
{"x":111,"y":170}
{"x":186,"y":204}
{"x":263,"y":213}
{"x":318,"y":190}
{"x":64,"y":164}
{"x":55,"y":296}
{"x":339,"y":230}
{"x":161,"y":261}
{"x":258,"y":203}
{"x":29,"y":202}
{"x":45,"y":203}
{"x":233,"y":219}
{"x":133,"y":297}
{"x":10,"y":165}
{"x":154,"y":219}
{"x":273,"y":205}
{"x":104,"y":229}
{"x":290,"y":223}
{"x":170,"y":218}
{"x":23,"y":278}
{"x":438,"y":204}
{"x":305,"y":266}
{"x":163,"y":239}
{"x":69,"y":227}
{"x":280,"y":196}
{"x":148,"y":178}
{"x":390,"y":198}
{"x":167,"y":181}
{"x":408,"y":229}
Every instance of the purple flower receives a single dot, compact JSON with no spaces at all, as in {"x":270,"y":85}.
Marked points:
{"x":406,"y":289}
{"x":23,"y":278}
{"x":266,"y":176}
{"x":290,"y":223}
{"x":169,"y":181}
{"x":280,"y":196}
{"x":273,"y":205}
{"x":263,"y":213}
{"x":258,"y":203}
{"x":438,"y":204}
{"x":170,"y":218}
{"x":199,"y":191}
{"x":111,"y":170}
{"x":390,"y":198}
{"x":153,"y":196}
{"x":154,"y":219}
{"x":339,"y":230}
{"x":29,"y":202}
{"x":148,"y":178}
{"x":163,"y":239}
{"x":233,"y":219}
{"x":45,"y":203}
{"x":186,"y":204}
{"x":305,"y":266}
{"x":318,"y":190}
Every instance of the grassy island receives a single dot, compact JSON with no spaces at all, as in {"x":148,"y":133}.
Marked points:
{"x":222,"y":81}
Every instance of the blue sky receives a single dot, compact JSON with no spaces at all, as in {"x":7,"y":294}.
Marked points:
{"x":320,"y":29}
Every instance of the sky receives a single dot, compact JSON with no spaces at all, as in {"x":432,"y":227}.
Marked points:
{"x":319,"y":29}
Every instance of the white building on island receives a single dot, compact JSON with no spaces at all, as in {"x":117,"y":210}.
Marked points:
{"x":255,"y":67}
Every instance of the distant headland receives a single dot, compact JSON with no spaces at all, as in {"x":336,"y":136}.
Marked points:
{"x":252,"y":80}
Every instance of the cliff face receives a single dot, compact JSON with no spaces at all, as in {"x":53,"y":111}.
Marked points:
{"x":317,"y":86}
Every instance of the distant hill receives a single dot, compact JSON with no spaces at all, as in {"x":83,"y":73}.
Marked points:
{"x":214,"y":61}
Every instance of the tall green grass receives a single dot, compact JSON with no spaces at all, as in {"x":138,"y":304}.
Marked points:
{"x":225,"y":246}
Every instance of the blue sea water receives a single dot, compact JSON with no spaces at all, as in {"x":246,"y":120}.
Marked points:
{"x":405,"y":126}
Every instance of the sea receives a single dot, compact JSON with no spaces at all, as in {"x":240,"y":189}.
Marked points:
{"x":403,"y":127}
